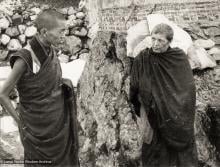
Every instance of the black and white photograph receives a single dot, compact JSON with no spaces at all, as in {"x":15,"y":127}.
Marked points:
{"x":109,"y":83}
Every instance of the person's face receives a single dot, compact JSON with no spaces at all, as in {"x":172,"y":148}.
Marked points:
{"x":56,"y":36}
{"x":160,"y":43}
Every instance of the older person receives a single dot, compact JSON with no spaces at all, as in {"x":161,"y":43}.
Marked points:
{"x":162,"y":85}
{"x":46,"y":115}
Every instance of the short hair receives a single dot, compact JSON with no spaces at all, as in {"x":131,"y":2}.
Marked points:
{"x":48,"y":19}
{"x":164,"y":29}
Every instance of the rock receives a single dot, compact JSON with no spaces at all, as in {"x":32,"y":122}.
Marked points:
{"x":104,"y":111}
{"x":5,"y":39}
{"x":71,"y":11}
{"x":206,"y":25}
{"x":6,"y":9}
{"x":17,"y":19}
{"x":21,"y":28}
{"x":89,"y":42}
{"x":73,"y":30}
{"x":217,"y":40}
{"x":9,"y":19}
{"x":26,"y":16}
{"x":12,"y":31}
{"x":79,"y":22}
{"x":215,"y":52}
{"x":73,"y":57}
{"x":82,"y":4}
{"x":63,"y":11}
{"x":84,"y":56}
{"x":45,"y":6}
{"x":83,"y":51}
{"x":29,"y":23}
{"x":33,"y":17}
{"x":30,"y":31}
{"x":199,"y":58}
{"x":212,"y":31}
{"x":73,"y":44}
{"x":3,"y":55}
{"x":85,"y":44}
{"x":22,"y":38}
{"x":14,"y":45}
{"x":80,"y":15}
{"x":80,"y":33}
{"x":4,"y":23}
{"x":72,"y":23}
{"x":63,"y":58}
{"x":206,"y":44}
{"x":35,"y":10}
{"x":72,"y":17}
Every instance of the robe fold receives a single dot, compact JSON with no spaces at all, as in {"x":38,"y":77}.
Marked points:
{"x":48,"y":116}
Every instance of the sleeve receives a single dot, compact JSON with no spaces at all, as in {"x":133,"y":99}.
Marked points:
{"x":134,"y":86}
{"x":23,"y":54}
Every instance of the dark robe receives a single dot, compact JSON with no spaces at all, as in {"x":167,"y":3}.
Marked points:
{"x":163,"y":83}
{"x":47,"y":111}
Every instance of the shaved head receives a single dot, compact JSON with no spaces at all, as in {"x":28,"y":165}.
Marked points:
{"x":48,"y":19}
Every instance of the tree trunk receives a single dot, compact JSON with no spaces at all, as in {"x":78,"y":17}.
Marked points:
{"x":109,"y":136}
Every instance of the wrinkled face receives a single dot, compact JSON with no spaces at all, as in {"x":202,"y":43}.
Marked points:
{"x":160,"y":43}
{"x":56,"y":36}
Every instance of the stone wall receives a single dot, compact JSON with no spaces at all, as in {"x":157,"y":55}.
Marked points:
{"x":119,"y":16}
{"x":17,"y":28}
{"x":181,"y":13}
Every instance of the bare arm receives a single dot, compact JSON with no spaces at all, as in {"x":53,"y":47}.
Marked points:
{"x":16,"y":73}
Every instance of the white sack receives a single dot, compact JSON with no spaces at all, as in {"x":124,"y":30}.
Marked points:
{"x":73,"y":70}
{"x":135,"y":34}
{"x":146,"y":43}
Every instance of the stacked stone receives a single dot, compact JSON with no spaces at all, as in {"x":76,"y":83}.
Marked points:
{"x":206,"y":35}
{"x":17,"y":27}
{"x":76,"y":37}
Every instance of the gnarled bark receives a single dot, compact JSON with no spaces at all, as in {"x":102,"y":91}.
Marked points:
{"x":109,"y":135}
